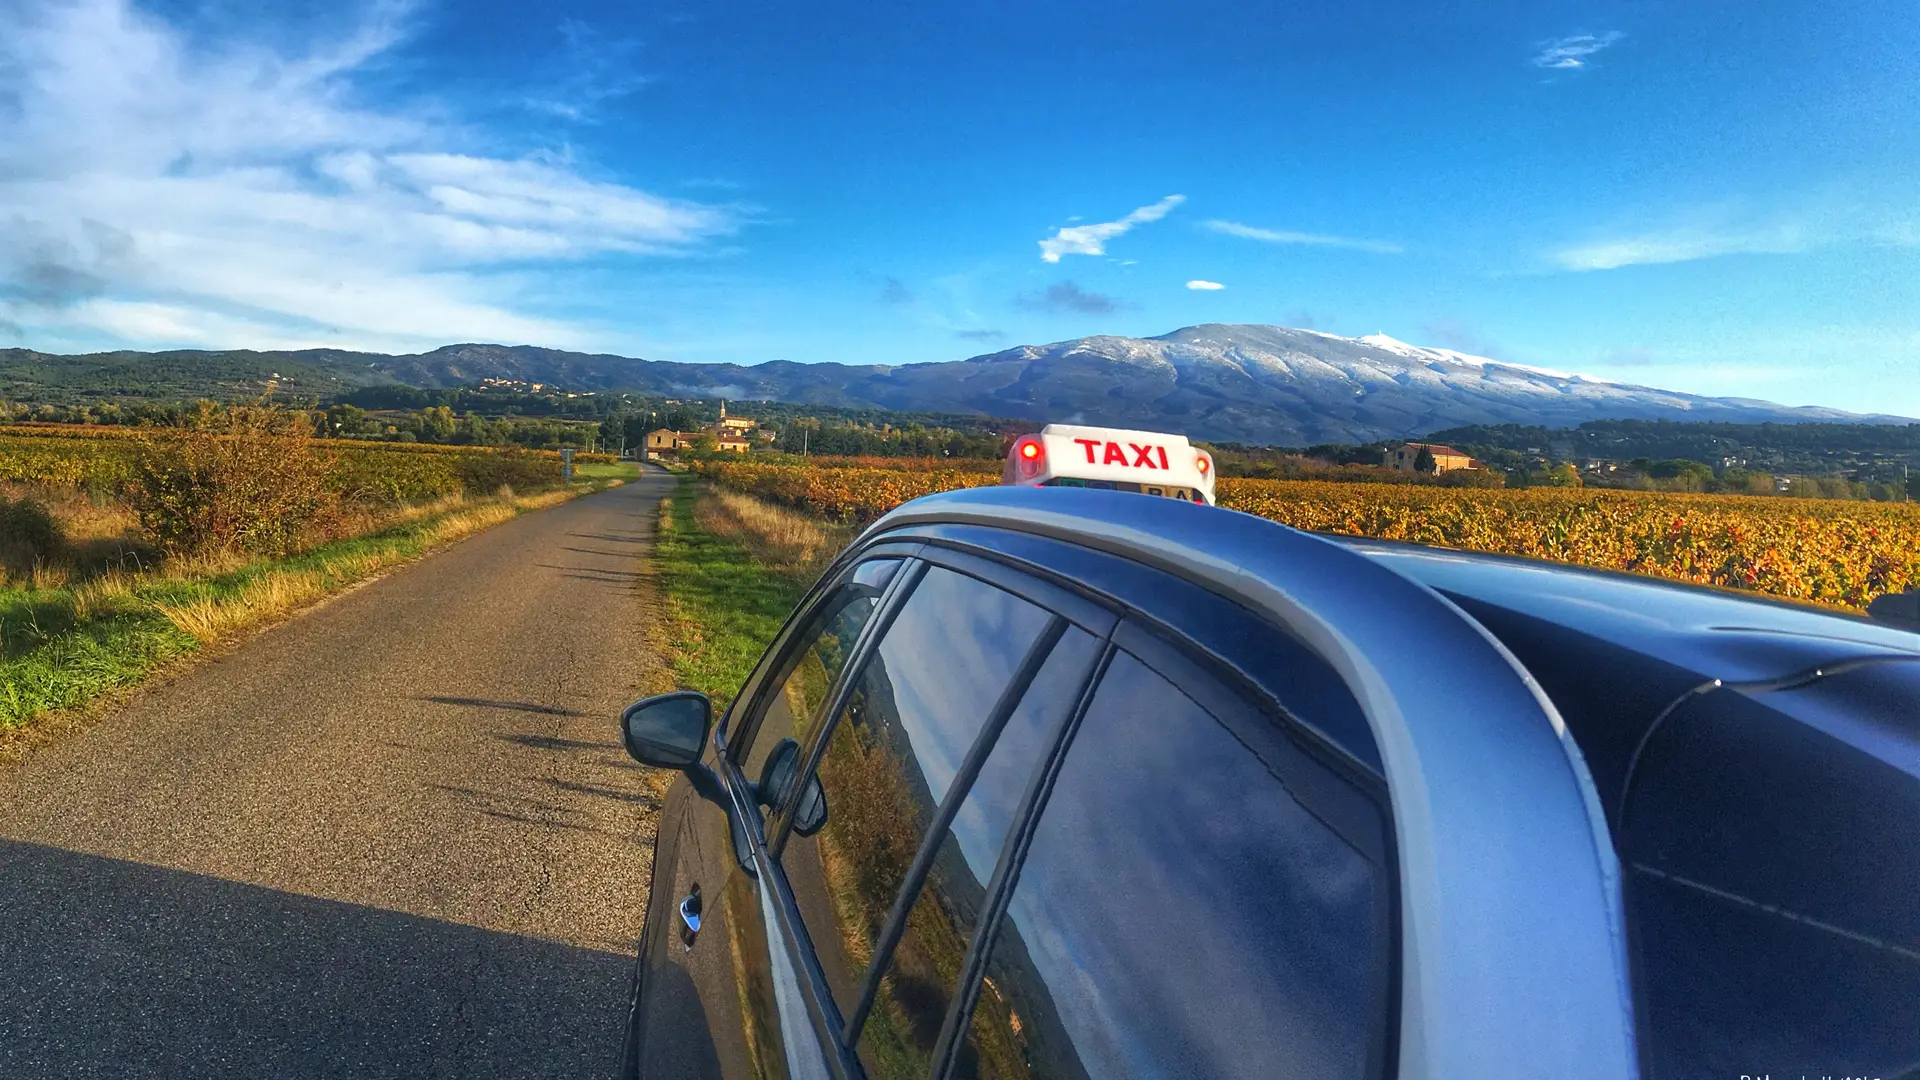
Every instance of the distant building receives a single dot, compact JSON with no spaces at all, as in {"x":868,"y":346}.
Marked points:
{"x":766,"y":434}
{"x":733,"y":444}
{"x":1445,"y":458}
{"x":667,"y":440}
{"x":735,"y":425}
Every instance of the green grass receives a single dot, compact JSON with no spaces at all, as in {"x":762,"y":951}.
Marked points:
{"x":724,"y":606}
{"x":52,"y":659}
{"x":619,"y":470}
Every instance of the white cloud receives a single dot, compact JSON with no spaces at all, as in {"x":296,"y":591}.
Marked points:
{"x":1571,"y":53}
{"x":1681,"y":245}
{"x":1281,"y":236}
{"x":1092,"y":239}
{"x":1808,"y":222}
{"x":162,"y":193}
{"x":1205,"y":286}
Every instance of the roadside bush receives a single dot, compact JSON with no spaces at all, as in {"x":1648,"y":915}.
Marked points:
{"x":250,"y":482}
{"x":520,"y":470}
{"x":29,"y":537}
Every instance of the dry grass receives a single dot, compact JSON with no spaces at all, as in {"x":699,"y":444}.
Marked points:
{"x":781,"y":539}
{"x":276,"y":593}
{"x":97,"y":535}
{"x":82,"y":517}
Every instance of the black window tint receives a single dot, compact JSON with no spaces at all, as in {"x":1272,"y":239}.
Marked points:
{"x":1767,"y":834}
{"x":793,"y":707}
{"x":1179,"y":913}
{"x":912,"y":995}
{"x":915,"y":709}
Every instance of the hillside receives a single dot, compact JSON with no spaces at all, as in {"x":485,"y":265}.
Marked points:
{"x":1245,"y":383}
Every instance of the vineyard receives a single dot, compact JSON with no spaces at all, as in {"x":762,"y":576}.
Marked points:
{"x":102,"y":459}
{"x":1838,"y":553}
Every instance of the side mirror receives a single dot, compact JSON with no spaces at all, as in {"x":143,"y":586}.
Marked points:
{"x":776,"y":782}
{"x":667,"y":730}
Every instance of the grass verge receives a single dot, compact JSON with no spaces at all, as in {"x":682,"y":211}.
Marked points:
{"x":730,"y":569}
{"x":617,"y":470}
{"x":61,"y":648}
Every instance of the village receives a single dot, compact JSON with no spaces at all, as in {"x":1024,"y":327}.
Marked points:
{"x":729,"y":434}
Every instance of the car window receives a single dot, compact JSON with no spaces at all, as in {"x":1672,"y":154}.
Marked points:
{"x":915,"y":983}
{"x":809,"y":673}
{"x":926,"y":691}
{"x":1180,"y":913}
{"x":1756,"y":842}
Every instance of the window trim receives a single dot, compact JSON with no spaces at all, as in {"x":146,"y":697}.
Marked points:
{"x":798,"y":621}
{"x":939,"y":547}
{"x":1013,"y":853}
{"x":892,"y":601}
{"x":1004,"y":575}
{"x":798,"y":637}
{"x":935,"y":836}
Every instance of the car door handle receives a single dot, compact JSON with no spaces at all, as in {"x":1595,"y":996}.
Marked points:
{"x":690,"y":917}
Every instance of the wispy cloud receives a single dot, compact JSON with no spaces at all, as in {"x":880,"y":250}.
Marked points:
{"x":894,"y":291}
{"x":165,"y":191}
{"x":1809,"y":221}
{"x":1092,"y":239}
{"x":980,"y":335}
{"x":1066,"y":296}
{"x":1572,"y":53}
{"x":1205,"y":286}
{"x":1682,"y":245}
{"x":595,"y":70}
{"x":1282,"y":236}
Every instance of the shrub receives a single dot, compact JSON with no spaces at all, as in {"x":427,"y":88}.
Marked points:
{"x":518,"y":469}
{"x":29,"y":537}
{"x":250,"y":482}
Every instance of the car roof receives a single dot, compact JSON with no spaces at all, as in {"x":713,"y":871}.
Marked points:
{"x":1713,"y":633}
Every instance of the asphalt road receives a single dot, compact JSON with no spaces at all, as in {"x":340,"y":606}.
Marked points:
{"x":394,"y":837}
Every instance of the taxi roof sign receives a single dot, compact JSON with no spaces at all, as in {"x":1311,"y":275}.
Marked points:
{"x":1150,"y":461}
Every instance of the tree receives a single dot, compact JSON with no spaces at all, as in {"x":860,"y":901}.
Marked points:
{"x":1425,"y":463}
{"x":1562,"y":475}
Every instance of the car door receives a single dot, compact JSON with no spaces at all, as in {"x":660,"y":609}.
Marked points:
{"x":715,"y":999}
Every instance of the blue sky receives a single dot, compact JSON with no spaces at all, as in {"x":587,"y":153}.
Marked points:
{"x":1715,"y":197}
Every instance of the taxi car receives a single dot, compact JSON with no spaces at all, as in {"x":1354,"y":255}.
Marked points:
{"x":1075,"y":783}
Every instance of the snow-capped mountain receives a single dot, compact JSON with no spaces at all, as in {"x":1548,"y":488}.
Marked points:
{"x":1255,"y":384}
{"x":1271,"y":384}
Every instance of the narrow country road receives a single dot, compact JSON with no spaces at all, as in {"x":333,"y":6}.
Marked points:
{"x":394,"y":837}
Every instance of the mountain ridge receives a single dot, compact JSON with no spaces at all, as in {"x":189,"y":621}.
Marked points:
{"x":1249,"y":383}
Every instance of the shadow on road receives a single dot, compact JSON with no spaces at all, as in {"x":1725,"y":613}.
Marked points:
{"x":115,"y":968}
{"x":516,"y":706}
{"x":596,"y":571}
{"x":554,"y":742}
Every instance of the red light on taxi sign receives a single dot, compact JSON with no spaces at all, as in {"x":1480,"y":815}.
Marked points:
{"x":1029,"y":457}
{"x":1203,"y":463}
